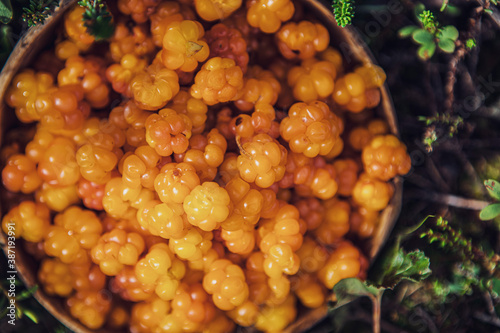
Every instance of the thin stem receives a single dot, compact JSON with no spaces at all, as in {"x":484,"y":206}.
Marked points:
{"x":377,"y":305}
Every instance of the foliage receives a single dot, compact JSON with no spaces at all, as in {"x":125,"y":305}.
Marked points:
{"x":23,"y":295}
{"x":394,"y":265}
{"x":431,"y":35}
{"x":38,"y":11}
{"x":5,"y":11}
{"x":445,"y":121}
{"x":97,"y":19}
{"x":343,"y":11}
{"x":493,"y":210}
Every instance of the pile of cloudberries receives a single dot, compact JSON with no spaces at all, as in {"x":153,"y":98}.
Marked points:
{"x":202,"y":169}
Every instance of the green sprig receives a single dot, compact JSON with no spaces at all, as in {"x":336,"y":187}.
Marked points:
{"x":97,"y":19}
{"x":38,"y":11}
{"x":343,"y":11}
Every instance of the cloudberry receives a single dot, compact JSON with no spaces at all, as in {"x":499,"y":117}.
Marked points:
{"x":57,"y":198}
{"x":122,"y":201}
{"x":58,"y":165}
{"x":363,"y":222}
{"x":75,"y":28}
{"x":247,"y":204}
{"x":121,"y":74}
{"x":245,"y":314}
{"x":73,"y":230}
{"x":126,"y":285}
{"x":183,"y":46}
{"x":96,"y":162}
{"x":86,"y":72}
{"x":207,"y":205}
{"x":193,"y":245}
{"x":226,"y":283}
{"x":168,"y":132}
{"x":311,"y":211}
{"x":264,"y":89}
{"x":311,"y":129}
{"x":153,"y":87}
{"x":274,"y":318}
{"x":175,"y":181}
{"x":161,"y":220}
{"x":312,"y":80}
{"x":372,"y":193}
{"x":139,"y":10}
{"x":116,"y":249}
{"x":310,"y":293}
{"x":218,"y":81}
{"x":268,"y":15}
{"x":24,"y":90}
{"x":385,"y":157}
{"x":206,"y":154}
{"x":130,"y":41}
{"x":212,"y":10}
{"x":227,"y":42}
{"x":161,"y":268}
{"x":20,"y":174}
{"x":262,"y":161}
{"x":90,"y":307}
{"x":140,"y":168}
{"x":302,"y":40}
{"x":343,"y":263}
{"x":166,"y":13}
{"x":28,"y":220}
{"x":312,"y":255}
{"x":91,"y":194}
{"x":347,"y":175}
{"x":194,"y":108}
{"x":336,"y":221}
{"x":55,"y":277}
{"x":148,"y":316}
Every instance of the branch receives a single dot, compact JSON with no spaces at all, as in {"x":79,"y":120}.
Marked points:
{"x":449,"y":199}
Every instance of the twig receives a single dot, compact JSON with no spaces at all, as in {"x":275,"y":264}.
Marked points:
{"x":449,"y":199}
{"x":430,"y":323}
{"x":487,"y":319}
{"x":494,"y":14}
{"x":451,"y":77}
{"x":436,"y":175}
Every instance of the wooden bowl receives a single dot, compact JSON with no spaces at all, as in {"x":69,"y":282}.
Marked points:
{"x":346,"y":39}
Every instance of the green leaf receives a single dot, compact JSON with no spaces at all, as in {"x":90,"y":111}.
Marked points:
{"x":409,"y":230}
{"x":422,"y":36}
{"x":413,"y":266}
{"x":493,"y":188}
{"x":488,"y":11}
{"x":449,"y":32}
{"x":26,"y":293}
{"x":407,"y":31}
{"x":443,"y":6}
{"x":494,"y":284}
{"x":426,"y":51}
{"x":347,"y":290}
{"x":490,"y":212}
{"x":5,"y":11}
{"x":388,"y":259}
{"x":447,"y":45}
{"x":31,"y":315}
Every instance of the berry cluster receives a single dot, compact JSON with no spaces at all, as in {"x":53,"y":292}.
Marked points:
{"x":190,"y":174}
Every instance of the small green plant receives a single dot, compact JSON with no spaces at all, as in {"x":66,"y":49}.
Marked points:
{"x":493,"y":210}
{"x":393,"y":266}
{"x":431,"y":35}
{"x":38,"y":11}
{"x":434,"y":128}
{"x":343,"y":10}
{"x":454,"y":241}
{"x":97,"y":19}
